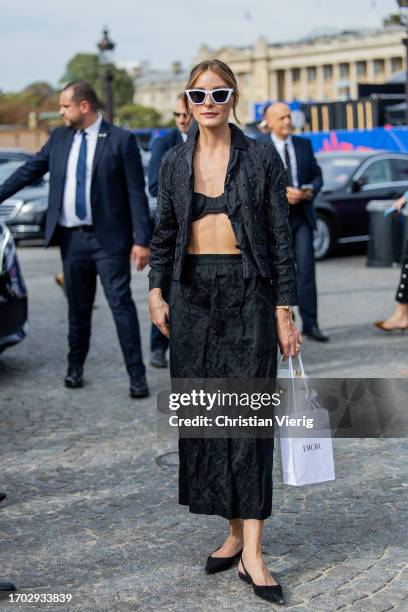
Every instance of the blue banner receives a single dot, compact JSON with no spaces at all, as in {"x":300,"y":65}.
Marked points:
{"x":386,"y":138}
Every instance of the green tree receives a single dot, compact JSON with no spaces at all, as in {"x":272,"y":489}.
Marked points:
{"x":15,"y":108}
{"x":138,"y":116}
{"x":39,"y":96}
{"x":86,"y":67}
{"x":37,"y":93}
{"x":170,"y":124}
{"x":83,"y":67}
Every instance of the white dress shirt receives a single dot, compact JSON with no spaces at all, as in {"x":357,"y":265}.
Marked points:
{"x":280,"y":147}
{"x":67,"y":216}
{"x":184,"y":136}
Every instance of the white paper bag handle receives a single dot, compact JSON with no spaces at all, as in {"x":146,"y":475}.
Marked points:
{"x":304,"y":378}
{"x":291,"y":370}
{"x":292,"y":378}
{"x":301,"y":366}
{"x":302,"y":369}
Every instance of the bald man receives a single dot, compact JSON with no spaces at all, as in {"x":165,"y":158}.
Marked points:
{"x":304,"y":181}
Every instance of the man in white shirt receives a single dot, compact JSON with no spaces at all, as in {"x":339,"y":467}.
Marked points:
{"x":67,"y":216}
{"x":304,"y":181}
{"x":99,"y":216}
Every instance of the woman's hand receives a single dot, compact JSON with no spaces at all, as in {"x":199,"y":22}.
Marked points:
{"x":289,"y":337}
{"x":398,"y":204}
{"x":159,"y":311}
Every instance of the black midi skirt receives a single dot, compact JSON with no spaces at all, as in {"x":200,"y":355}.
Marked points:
{"x":223,"y":326}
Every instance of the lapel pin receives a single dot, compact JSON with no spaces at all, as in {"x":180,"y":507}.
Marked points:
{"x":102,"y":135}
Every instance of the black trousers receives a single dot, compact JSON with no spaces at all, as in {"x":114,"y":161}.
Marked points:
{"x":302,"y":235}
{"x":402,"y":291}
{"x":223,"y":326}
{"x":83,"y":259}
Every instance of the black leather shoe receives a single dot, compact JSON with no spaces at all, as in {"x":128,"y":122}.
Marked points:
{"x":138,"y":386}
{"x":6,"y":585}
{"x":2,"y":496}
{"x":316,"y":334}
{"x":73,"y":379}
{"x":219,"y":564}
{"x":158,"y":359}
{"x":270,"y":593}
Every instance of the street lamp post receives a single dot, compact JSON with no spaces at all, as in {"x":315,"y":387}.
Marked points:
{"x":403,"y":8}
{"x":106,"y":48}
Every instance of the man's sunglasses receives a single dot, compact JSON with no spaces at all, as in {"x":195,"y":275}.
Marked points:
{"x":218,"y":96}
{"x":178,"y":115}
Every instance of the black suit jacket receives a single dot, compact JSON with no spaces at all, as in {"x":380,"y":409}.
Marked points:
{"x":159,"y":147}
{"x":120,"y":211}
{"x":308,"y":171}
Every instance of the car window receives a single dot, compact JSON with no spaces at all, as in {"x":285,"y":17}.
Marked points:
{"x":337,"y":170}
{"x":377,"y":172}
{"x":7,"y":169}
{"x":399,"y":169}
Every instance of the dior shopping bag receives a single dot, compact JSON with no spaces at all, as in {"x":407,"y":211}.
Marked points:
{"x":305,"y":460}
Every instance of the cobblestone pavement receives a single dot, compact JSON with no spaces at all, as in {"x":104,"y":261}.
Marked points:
{"x":92,"y":492}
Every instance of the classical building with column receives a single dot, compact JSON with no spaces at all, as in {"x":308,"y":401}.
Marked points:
{"x":159,"y":88}
{"x":322,"y":68}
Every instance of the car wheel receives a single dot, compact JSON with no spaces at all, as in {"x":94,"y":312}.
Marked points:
{"x":323,"y":241}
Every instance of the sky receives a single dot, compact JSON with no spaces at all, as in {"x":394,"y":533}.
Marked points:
{"x":38,"y":37}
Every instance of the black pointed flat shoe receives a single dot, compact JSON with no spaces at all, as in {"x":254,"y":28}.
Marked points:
{"x":270,"y":593}
{"x":219,"y":564}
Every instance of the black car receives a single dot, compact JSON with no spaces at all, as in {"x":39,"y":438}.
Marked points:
{"x":351,"y":180}
{"x":25,"y":212}
{"x":15,"y":154}
{"x":13,"y":293}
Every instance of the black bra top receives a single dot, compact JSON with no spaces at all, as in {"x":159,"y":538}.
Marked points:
{"x":206,"y":205}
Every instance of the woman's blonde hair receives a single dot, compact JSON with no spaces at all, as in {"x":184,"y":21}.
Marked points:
{"x":223,"y":71}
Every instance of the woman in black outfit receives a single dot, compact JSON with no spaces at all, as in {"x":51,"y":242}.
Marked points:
{"x":222,"y":248}
{"x":399,"y":318}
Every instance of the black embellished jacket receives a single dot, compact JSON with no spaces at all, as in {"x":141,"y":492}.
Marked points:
{"x":257,"y":206}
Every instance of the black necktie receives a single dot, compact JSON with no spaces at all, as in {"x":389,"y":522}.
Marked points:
{"x":288,"y":166}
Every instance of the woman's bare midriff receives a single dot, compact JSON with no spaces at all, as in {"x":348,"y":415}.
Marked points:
{"x":212,"y":234}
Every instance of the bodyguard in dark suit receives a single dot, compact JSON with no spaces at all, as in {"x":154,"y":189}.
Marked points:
{"x":158,"y":342}
{"x":302,"y":171}
{"x":98,"y":214}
